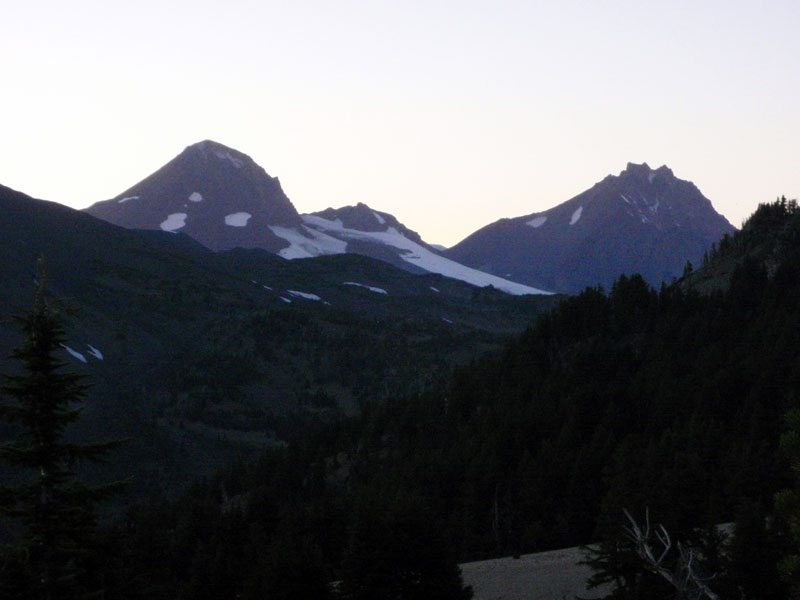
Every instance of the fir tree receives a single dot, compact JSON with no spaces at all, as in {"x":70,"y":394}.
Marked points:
{"x":51,"y":512}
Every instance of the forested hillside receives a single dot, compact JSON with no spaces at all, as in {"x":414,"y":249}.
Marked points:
{"x":199,"y":357}
{"x":668,"y":400}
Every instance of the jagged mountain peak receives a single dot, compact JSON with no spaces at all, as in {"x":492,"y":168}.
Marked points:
{"x":643,"y":220}
{"x":636,"y":172}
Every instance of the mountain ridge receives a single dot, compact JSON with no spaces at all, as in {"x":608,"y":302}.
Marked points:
{"x":643,"y":220}
{"x":223,"y":199}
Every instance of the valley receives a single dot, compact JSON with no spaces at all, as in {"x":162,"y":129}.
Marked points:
{"x":349,"y":421}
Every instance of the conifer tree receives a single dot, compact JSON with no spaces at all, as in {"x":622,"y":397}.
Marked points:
{"x":51,"y":513}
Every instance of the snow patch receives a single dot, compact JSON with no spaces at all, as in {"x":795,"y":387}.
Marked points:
{"x":447,"y":320}
{"x":305,"y":295}
{"x":195,"y":197}
{"x":74,"y":353}
{"x":238,"y":219}
{"x":225,"y":155}
{"x":537,"y":222}
{"x":308,"y":242}
{"x":651,"y":176}
{"x":408,"y":251}
{"x":127,"y":198}
{"x":266,"y":287}
{"x":625,"y":198}
{"x":576,"y":216}
{"x":379,"y":218}
{"x":285,"y":300}
{"x":434,"y":289}
{"x":174,"y":222}
{"x":377,"y":290}
{"x":95,"y":352}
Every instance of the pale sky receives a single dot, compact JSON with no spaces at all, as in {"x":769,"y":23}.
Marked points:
{"x":447,"y":114}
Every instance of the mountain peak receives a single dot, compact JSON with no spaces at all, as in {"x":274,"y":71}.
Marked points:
{"x":363,"y":218}
{"x":215,"y":194}
{"x":640,"y":172}
{"x":644,"y":221}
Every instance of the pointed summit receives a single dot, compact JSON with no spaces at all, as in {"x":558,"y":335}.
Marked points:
{"x":217,"y":195}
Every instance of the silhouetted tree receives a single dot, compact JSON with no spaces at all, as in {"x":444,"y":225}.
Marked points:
{"x":51,"y":513}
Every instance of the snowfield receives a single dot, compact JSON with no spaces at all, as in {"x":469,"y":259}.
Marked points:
{"x":317,"y":239}
{"x":307,"y":243}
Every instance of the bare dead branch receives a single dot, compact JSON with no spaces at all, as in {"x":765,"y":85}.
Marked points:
{"x":683,"y":578}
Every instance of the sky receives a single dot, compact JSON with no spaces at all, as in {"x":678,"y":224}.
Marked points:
{"x":447,"y":114}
